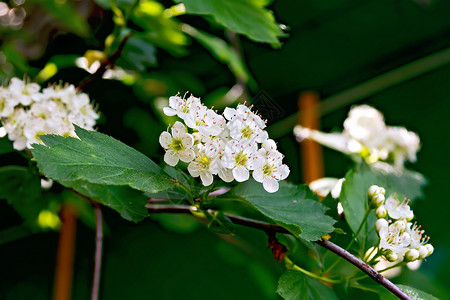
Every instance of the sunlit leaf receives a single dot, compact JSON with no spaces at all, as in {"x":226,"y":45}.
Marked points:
{"x":410,"y":291}
{"x":98,"y":158}
{"x":292,"y":206}
{"x":248,"y":17}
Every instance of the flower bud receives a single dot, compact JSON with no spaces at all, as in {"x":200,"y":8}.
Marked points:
{"x":391,"y":256}
{"x":378,"y":200}
{"x":382,"y":191}
{"x":373,"y":190}
{"x":423,"y":252}
{"x":410,"y":216}
{"x":381,"y":212}
{"x":411,"y":255}
{"x":380,"y":223}
{"x":430,"y":249}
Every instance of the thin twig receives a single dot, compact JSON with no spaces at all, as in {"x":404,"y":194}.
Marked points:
{"x":185,"y":209}
{"x":108,"y":62}
{"x":98,"y":250}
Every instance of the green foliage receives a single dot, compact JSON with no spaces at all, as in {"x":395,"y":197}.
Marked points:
{"x":22,"y":189}
{"x":66,"y":14}
{"x":410,"y":291}
{"x":5,"y":146}
{"x":355,"y":202}
{"x":248,"y":17}
{"x":137,"y":54}
{"x":294,"y":285}
{"x":292,"y":206}
{"x":222,"y":51}
{"x":128,"y":202}
{"x":100,"y":159}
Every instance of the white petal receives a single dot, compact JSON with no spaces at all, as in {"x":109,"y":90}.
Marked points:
{"x":178,"y":130}
{"x":169,"y":112}
{"x":229,"y":113}
{"x":258,"y":175}
{"x":165,"y":139}
{"x":228,"y":161}
{"x":241,"y":174}
{"x":283,"y":172}
{"x":187,"y":140}
{"x":193,"y":169}
{"x":206,"y":178}
{"x":226,"y":175}
{"x":171,"y":158}
{"x":186,"y":155}
{"x":255,"y":162}
{"x":270,"y":184}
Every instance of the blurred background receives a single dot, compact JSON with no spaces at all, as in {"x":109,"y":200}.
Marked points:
{"x":391,"y":54}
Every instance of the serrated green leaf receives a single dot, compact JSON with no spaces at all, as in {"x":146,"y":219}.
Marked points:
{"x":294,"y":285}
{"x":100,"y":159}
{"x":354,"y":200}
{"x":248,"y":17}
{"x":412,"y":292}
{"x":407,"y":183}
{"x":128,"y":202}
{"x":292,"y":206}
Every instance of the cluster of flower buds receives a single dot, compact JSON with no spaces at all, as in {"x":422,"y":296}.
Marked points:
{"x":365,"y":133}
{"x":399,"y":238}
{"x":230,"y":146}
{"x":27,"y":112}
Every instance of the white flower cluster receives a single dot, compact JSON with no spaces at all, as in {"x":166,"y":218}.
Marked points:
{"x":365,"y":133}
{"x":399,"y":238}
{"x":26,"y":112}
{"x":227,"y":146}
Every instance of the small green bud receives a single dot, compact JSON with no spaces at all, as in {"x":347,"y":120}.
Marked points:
{"x":391,"y":256}
{"x":411,"y":255}
{"x":410,"y":216}
{"x":423,"y":252}
{"x":381,"y":212}
{"x":380,"y":223}
{"x":378,"y":200}
{"x":430,"y":249}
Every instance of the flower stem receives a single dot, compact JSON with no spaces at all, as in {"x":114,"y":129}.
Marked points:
{"x":292,"y":266}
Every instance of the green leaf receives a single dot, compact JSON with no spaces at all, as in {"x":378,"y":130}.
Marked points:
{"x":138,"y":54}
{"x":355,"y":201}
{"x":407,"y":183}
{"x":222,"y":51}
{"x":98,"y":158}
{"x":412,"y":292}
{"x":128,"y":202}
{"x":65,"y":13}
{"x":248,"y":17}
{"x":22,"y":189}
{"x":292,"y":206}
{"x":294,"y":285}
{"x":5,"y":146}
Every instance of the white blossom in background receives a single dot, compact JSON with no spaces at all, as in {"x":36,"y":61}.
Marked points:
{"x":26,"y":112}
{"x":366,"y":134}
{"x":234,"y":146}
{"x":399,"y":238}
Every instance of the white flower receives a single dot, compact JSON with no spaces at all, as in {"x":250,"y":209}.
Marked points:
{"x":398,"y":210}
{"x":365,"y":124}
{"x":271,"y":171}
{"x":402,"y":144}
{"x":417,"y":235}
{"x":206,"y":163}
{"x":178,"y":145}
{"x":180,"y":106}
{"x":394,"y":237}
{"x":7,"y":102}
{"x":241,"y":158}
{"x":24,"y":93}
{"x":245,"y":125}
{"x":380,"y":223}
{"x":205,"y":120}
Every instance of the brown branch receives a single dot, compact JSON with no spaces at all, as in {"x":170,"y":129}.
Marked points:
{"x":185,"y":209}
{"x":98,"y":250}
{"x":108,"y":62}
